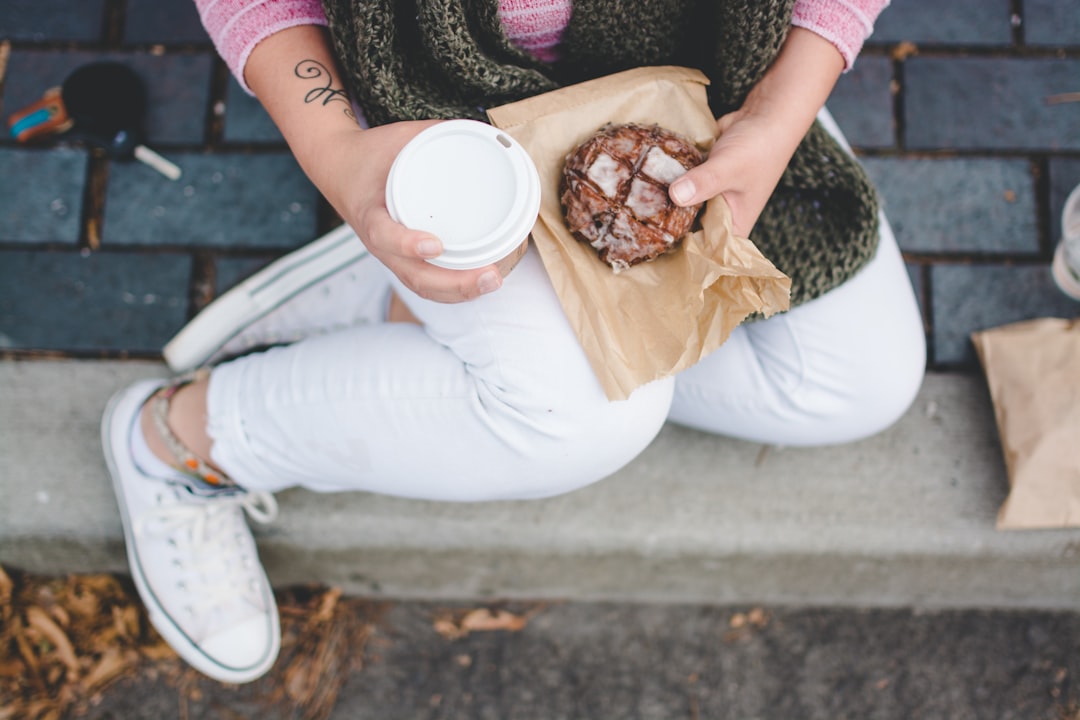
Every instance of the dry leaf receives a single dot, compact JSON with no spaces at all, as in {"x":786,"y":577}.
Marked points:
{"x":6,"y":587}
{"x":27,"y":654}
{"x":11,"y":668}
{"x":159,"y":651}
{"x":44,"y":624}
{"x":905,"y":50}
{"x":743,"y":624}
{"x":40,"y":710}
{"x":479,"y":620}
{"x":758,"y":618}
{"x":448,"y":629}
{"x":483,"y":619}
{"x":112,"y":663}
{"x":84,"y":604}
{"x":61,"y":615}
{"x":327,"y":605}
{"x":299,"y":679}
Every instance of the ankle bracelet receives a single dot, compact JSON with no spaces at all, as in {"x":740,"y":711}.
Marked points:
{"x":187,"y":462}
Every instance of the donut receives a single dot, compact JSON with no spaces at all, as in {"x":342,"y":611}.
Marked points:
{"x":614,"y":192}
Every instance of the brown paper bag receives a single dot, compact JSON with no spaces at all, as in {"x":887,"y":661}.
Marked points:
{"x":655,"y":318}
{"x":1033,"y":370}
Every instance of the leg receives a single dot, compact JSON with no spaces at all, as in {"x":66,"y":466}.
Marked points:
{"x":329,"y":284}
{"x":841,"y":367}
{"x":490,"y":399}
{"x":192,"y":557}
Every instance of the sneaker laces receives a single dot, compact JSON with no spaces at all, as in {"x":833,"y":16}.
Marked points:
{"x":221,"y":575}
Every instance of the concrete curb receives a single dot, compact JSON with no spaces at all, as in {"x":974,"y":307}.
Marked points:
{"x":902,"y":519}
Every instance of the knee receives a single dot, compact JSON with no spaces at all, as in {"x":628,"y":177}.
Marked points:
{"x":880,"y":395}
{"x":588,"y":438}
{"x":892,"y":396}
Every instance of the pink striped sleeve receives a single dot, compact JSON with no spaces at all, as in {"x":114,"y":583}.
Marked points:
{"x":535,"y":26}
{"x":844,"y":23}
{"x":237,"y":26}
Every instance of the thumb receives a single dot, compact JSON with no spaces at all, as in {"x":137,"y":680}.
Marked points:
{"x":698,"y":184}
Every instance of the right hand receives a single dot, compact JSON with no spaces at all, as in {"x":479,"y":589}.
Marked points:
{"x":350,"y":167}
{"x":348,"y":164}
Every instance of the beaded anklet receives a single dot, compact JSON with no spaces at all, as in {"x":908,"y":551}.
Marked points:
{"x":188,"y":462}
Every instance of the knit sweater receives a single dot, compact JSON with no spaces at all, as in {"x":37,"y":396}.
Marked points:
{"x":410,"y":59}
{"x":536,"y":26}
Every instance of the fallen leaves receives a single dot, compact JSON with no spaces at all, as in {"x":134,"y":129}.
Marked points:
{"x":742,"y":624}
{"x":322,"y":641}
{"x":454,"y":625}
{"x":64,"y":641}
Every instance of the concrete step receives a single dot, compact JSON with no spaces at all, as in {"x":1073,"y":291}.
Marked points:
{"x":902,"y":519}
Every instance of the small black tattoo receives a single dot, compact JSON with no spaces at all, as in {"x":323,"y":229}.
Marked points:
{"x":314,"y":70}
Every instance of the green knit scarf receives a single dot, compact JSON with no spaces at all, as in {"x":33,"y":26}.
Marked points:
{"x":413,"y":59}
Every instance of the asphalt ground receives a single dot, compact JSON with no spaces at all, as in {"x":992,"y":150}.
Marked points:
{"x":649,"y":662}
{"x":80,"y":646}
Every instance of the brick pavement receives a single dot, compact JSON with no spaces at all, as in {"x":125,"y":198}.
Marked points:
{"x":947,"y":107}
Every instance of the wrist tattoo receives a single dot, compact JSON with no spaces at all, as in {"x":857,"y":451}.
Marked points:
{"x":325,"y":93}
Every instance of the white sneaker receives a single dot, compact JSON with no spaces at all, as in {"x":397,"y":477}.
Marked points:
{"x":193,"y":558}
{"x":329,"y":284}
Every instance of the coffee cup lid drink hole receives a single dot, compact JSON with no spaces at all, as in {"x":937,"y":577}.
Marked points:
{"x":469,"y":184}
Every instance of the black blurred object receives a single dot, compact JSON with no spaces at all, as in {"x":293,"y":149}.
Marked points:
{"x":107,"y":102}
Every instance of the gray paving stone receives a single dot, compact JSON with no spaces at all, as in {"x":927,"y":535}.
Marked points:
{"x":230,"y":271}
{"x":41,"y":197}
{"x":990,"y":103}
{"x":967,"y":298}
{"x":171,"y":22}
{"x":915,"y":275}
{"x":91,"y":301}
{"x":245,"y":119}
{"x":1064,"y":176}
{"x":967,"y":22}
{"x":42,"y":20}
{"x":223,"y":200}
{"x":862,"y":103}
{"x":950,"y":205}
{"x":1051,"y":22}
{"x":178,"y":86}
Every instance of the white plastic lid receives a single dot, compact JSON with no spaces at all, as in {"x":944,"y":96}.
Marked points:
{"x":1066,"y":264}
{"x":1070,"y":216}
{"x":469,"y":184}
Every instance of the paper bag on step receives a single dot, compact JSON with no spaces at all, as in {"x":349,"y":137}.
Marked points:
{"x":1033,"y":371}
{"x":658,"y":317}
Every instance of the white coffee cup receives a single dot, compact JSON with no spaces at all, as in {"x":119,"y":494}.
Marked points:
{"x":472,"y":186}
{"x":1066,"y":265}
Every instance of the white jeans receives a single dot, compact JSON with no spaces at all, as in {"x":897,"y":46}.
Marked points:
{"x":494,"y":398}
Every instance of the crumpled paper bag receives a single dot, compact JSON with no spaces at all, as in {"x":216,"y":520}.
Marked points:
{"x":660,"y":317}
{"x":1033,"y":371}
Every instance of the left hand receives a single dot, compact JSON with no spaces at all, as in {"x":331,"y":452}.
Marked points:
{"x":744,"y":165}
{"x":755,"y":143}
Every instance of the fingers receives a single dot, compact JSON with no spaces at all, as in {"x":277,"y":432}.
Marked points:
{"x":448,"y":286}
{"x":722,"y":176}
{"x":699,"y":184}
{"x":405,"y":252}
